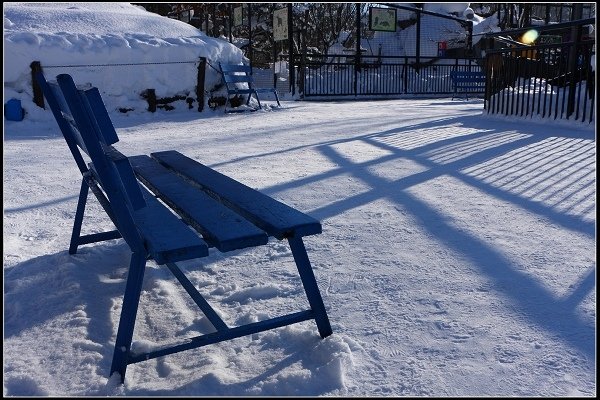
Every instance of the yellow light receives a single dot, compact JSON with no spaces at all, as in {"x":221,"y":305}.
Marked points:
{"x":529,"y":36}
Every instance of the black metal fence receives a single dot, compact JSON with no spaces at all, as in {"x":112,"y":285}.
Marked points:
{"x":514,"y":15}
{"x":552,"y":81}
{"x":320,"y":28}
{"x":340,"y":75}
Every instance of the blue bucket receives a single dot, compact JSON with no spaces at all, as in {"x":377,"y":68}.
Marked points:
{"x":13,"y":110}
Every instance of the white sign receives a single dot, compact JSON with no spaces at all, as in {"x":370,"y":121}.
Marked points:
{"x":280,"y":24}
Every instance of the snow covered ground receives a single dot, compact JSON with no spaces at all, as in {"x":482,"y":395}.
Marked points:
{"x":457,"y":258}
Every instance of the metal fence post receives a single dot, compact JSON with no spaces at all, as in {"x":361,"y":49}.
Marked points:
{"x":292,"y":74}
{"x":576,"y":33}
{"x":357,"y":56}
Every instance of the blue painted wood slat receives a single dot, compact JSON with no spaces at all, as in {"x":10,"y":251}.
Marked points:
{"x":107,"y":129}
{"x":167,"y":238}
{"x":277,"y":219}
{"x":235,"y":68}
{"x":219,"y":225}
{"x":237,"y":78}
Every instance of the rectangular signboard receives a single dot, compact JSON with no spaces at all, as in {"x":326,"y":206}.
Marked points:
{"x":382,"y":19}
{"x":238,"y":16}
{"x":550,"y":39}
{"x":280,"y":24}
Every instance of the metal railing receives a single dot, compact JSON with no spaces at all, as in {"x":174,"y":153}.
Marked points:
{"x":386,"y":76}
{"x":548,"y":81}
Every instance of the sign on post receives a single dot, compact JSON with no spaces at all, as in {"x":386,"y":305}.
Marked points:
{"x":550,"y":39}
{"x":382,"y":19}
{"x":442,"y":46}
{"x":238,"y":16}
{"x":280,"y":24}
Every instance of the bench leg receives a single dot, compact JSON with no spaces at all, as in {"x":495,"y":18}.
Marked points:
{"x":76,"y":238}
{"x":257,"y":99}
{"x":83,"y":193}
{"x":310,"y":286}
{"x":133,"y":289}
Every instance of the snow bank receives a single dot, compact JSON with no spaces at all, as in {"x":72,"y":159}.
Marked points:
{"x":123,"y":36}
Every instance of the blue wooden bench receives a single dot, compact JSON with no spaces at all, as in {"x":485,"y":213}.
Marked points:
{"x":467,"y":82}
{"x":199,"y":208}
{"x":239,"y":81}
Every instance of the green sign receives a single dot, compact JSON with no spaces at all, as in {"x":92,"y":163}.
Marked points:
{"x":550,"y":39}
{"x":382,"y":19}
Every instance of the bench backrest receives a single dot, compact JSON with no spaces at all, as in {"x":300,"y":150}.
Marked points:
{"x":467,"y":77}
{"x":86,"y":126}
{"x":65,"y":121}
{"x":234,"y":74}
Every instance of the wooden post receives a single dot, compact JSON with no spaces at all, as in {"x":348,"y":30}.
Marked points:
{"x":151,"y":98}
{"x":38,"y":95}
{"x":200,"y":83}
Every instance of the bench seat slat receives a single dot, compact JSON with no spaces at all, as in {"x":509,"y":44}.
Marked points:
{"x":238,"y":78}
{"x":235,"y":68}
{"x":266,"y":90}
{"x":468,"y":82}
{"x":277,"y":219}
{"x":220,"y":226}
{"x":240,"y":91}
{"x":467,"y":73}
{"x":167,"y":238}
